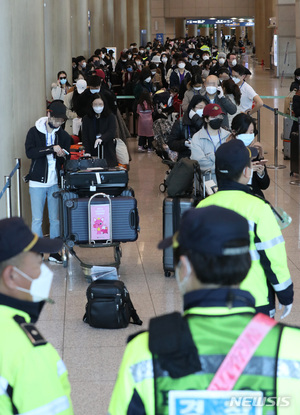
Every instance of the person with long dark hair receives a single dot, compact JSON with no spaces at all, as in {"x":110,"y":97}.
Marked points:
{"x":61,"y":87}
{"x":145,"y":122}
{"x":232,"y":92}
{"x":99,"y":128}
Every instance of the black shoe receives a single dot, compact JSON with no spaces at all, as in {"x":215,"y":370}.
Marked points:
{"x":55,"y":258}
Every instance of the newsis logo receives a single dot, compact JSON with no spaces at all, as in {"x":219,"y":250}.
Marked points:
{"x":237,"y":402}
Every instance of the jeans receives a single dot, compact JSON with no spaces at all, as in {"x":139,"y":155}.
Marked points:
{"x":38,"y":197}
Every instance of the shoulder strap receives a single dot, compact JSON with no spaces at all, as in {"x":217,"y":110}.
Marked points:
{"x":241,"y":352}
{"x":31,"y":331}
{"x":171,"y":341}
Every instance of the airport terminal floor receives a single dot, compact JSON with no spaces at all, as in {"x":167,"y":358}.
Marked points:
{"x":93,"y":356}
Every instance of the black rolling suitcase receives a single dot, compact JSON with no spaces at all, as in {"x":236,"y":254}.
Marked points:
{"x":125,"y":219}
{"x":173,"y":209}
{"x":111,"y":181}
{"x":295,"y":149}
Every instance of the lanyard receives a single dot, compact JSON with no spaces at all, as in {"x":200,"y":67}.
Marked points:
{"x":47,"y":142}
{"x":212,"y":140}
{"x":242,"y":84}
{"x":189,"y":131}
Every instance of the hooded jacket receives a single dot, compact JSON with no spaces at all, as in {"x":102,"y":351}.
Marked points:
{"x":37,"y":150}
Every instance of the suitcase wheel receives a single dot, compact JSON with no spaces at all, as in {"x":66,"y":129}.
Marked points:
{"x":162,"y":187}
{"x":65,"y":257}
{"x":168,"y":274}
{"x":69,"y":203}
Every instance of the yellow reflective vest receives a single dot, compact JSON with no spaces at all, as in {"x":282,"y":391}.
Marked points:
{"x":274,"y":368}
{"x":33,"y":378}
{"x":269,"y":270}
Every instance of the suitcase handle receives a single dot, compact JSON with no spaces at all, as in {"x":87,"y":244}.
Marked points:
{"x":134,"y":219}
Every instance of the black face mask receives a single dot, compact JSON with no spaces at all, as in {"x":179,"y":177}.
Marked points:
{"x":216,"y":123}
{"x":51,"y":125}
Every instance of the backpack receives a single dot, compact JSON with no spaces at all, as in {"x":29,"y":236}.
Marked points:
{"x":180,"y":179}
{"x":109,"y":305}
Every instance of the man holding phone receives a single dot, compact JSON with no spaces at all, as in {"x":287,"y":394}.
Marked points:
{"x":47,"y":145}
{"x":213,"y":92}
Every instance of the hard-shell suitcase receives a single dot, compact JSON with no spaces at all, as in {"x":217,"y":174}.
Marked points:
{"x":111,"y":181}
{"x":125,"y":219}
{"x":286,"y":137}
{"x":295,"y":148}
{"x":173,"y":209}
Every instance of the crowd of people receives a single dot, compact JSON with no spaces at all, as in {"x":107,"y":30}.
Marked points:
{"x":230,"y":258}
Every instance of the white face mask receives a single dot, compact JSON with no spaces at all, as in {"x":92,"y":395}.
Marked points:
{"x":211,"y":89}
{"x":148,"y":79}
{"x":181,"y":65}
{"x":221,"y":61}
{"x":246,"y":138}
{"x":298,"y":78}
{"x":197,"y":88}
{"x":129,"y":56}
{"x":164,"y":60}
{"x":98,"y":109}
{"x":182,"y":285}
{"x":199,"y":112}
{"x":205,"y":57}
{"x":236,"y":80}
{"x":84,"y":64}
{"x":138,"y":62}
{"x":94,"y":91}
{"x":40,"y":287}
{"x":233,"y":63}
{"x":153,"y":72}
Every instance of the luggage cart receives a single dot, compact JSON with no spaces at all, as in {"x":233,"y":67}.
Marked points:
{"x":67,"y":200}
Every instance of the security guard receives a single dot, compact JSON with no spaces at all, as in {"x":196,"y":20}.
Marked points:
{"x":33,"y":378}
{"x":211,"y":251}
{"x":269,"y":273}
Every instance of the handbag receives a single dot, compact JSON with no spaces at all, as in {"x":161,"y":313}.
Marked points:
{"x":84,"y":163}
{"x":109,"y":305}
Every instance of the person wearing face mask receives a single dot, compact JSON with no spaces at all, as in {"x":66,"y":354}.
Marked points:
{"x":193,"y":88}
{"x":60,"y":89}
{"x":47,"y":145}
{"x":218,"y":324}
{"x":295,"y":85}
{"x":243,"y":127}
{"x":221,"y":63}
{"x":184,"y":129}
{"x":180,"y":74}
{"x":34,"y":379}
{"x":164,"y":67}
{"x":269,"y":276}
{"x":81,"y":67}
{"x":70,"y":101}
{"x":144,"y":83}
{"x":208,"y":139}
{"x":231,"y":61}
{"x":232,"y":92}
{"x":248,"y":95}
{"x":215,"y":95}
{"x":99,"y":128}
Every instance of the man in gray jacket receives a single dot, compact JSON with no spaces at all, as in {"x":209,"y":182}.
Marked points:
{"x":213,"y":92}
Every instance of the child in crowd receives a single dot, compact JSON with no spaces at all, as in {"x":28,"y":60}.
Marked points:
{"x":145,"y":122}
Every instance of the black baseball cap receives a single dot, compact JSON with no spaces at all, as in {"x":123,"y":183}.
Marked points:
{"x":57,"y":109}
{"x":16,"y":237}
{"x":209,"y":230}
{"x":232,"y":157}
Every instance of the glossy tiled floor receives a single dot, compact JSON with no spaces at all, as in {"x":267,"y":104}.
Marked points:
{"x":93,"y":355}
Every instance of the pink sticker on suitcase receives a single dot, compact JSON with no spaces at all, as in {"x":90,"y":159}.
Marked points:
{"x":100,"y":222}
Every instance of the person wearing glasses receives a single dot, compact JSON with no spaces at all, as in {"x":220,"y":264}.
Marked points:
{"x":61,"y":87}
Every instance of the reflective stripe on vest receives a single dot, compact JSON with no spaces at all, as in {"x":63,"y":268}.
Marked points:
{"x":283,"y":285}
{"x":3,"y":386}
{"x":55,"y":407}
{"x":261,"y":246}
{"x":61,"y":367}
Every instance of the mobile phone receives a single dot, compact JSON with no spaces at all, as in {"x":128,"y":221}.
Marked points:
{"x":65,"y":151}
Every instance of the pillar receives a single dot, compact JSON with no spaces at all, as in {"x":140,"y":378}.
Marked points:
{"x":109,"y":22}
{"x":179,"y":27}
{"x":57,"y":15}
{"x":133,"y":22}
{"x":260,"y":30}
{"x":219,"y":40}
{"x":192,"y":30}
{"x":80,"y":38}
{"x":120,"y":26}
{"x":23,"y":95}
{"x":97,"y":24}
{"x":297,"y":16}
{"x":145,"y":18}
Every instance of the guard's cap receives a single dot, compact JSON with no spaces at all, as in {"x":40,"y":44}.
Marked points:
{"x":16,"y":237}
{"x":209,"y":230}
{"x":232,"y":157}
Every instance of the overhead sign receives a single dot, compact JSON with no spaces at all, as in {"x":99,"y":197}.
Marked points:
{"x":226,"y":22}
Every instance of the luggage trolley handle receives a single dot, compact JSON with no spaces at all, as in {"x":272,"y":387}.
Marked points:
{"x":109,"y":240}
{"x":100,"y":149}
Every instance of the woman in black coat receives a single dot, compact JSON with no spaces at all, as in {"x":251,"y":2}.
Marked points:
{"x":183,"y":129}
{"x":99,"y":127}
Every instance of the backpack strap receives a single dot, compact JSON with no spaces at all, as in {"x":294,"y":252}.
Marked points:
{"x":134,"y":314}
{"x":241,"y":352}
{"x":171,"y":341}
